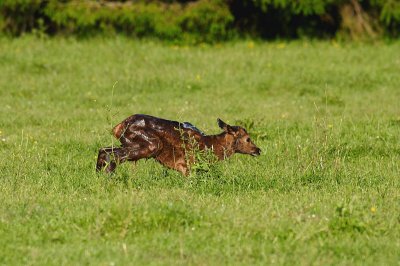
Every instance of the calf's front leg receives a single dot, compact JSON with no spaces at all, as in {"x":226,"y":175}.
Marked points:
{"x":108,"y":158}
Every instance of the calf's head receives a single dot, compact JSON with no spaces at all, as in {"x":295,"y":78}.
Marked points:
{"x":241,"y":139}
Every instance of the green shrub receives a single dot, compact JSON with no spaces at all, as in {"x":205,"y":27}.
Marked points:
{"x":199,"y":21}
{"x":389,"y":15}
{"x":20,"y":16}
{"x":208,"y":20}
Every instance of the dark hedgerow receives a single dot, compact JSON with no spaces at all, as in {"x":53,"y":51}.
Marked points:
{"x":203,"y":20}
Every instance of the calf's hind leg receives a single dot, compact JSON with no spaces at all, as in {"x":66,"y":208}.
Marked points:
{"x":110,"y":157}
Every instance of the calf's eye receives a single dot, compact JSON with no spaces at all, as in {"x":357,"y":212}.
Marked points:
{"x":248,"y":139}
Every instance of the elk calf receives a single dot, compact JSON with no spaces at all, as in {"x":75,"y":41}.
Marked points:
{"x":144,"y":136}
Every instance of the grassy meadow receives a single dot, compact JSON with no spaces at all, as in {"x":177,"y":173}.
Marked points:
{"x":325,"y":191}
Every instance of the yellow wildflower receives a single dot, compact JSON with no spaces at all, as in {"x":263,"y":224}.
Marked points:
{"x":281,"y":46}
{"x":285,"y":115}
{"x":335,"y":44}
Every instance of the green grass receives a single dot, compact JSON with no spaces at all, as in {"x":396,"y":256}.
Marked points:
{"x":325,"y":191}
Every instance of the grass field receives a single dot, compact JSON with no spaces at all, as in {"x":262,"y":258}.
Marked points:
{"x":326,"y":189}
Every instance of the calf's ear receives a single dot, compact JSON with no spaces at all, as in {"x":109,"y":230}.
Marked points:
{"x":224,"y":126}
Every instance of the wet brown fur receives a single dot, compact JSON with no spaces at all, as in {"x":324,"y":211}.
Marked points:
{"x":144,"y":136}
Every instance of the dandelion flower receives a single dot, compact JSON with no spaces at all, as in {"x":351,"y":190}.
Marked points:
{"x":373,"y":209}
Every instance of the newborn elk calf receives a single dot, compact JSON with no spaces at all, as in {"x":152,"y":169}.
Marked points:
{"x":144,"y":136}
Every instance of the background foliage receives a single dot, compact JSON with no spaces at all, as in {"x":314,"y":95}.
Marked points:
{"x":204,"y":20}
